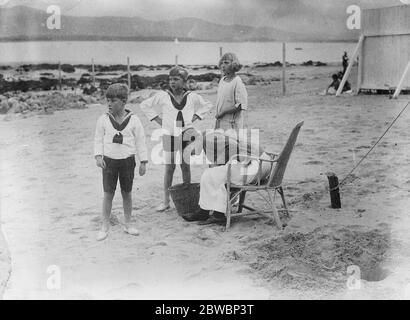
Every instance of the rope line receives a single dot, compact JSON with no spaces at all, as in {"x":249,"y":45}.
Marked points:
{"x":364,"y":157}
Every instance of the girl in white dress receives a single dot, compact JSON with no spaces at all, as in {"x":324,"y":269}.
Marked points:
{"x":232,"y":98}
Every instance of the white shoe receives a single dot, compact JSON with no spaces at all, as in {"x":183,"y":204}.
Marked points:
{"x":132,"y":231}
{"x":102,"y":235}
{"x":162,"y":207}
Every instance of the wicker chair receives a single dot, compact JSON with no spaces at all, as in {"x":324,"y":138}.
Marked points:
{"x":269,"y":185}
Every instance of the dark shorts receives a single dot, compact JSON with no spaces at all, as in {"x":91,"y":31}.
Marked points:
{"x":174,"y":144}
{"x":122,"y":169}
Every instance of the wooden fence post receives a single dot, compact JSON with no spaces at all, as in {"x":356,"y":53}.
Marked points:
{"x":93,"y":72}
{"x":129,"y":73}
{"x":284,"y":68}
{"x":59,"y":75}
{"x":334,"y":190}
{"x":360,"y":66}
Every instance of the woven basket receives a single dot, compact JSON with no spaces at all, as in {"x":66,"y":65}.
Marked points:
{"x":185,"y":197}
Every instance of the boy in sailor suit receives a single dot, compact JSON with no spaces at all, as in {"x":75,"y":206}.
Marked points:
{"x":180,"y":108}
{"x":119,"y":136}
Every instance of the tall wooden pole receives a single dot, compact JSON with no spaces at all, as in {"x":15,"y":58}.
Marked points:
{"x":401,"y":82}
{"x":59,"y":75}
{"x":176,"y":51}
{"x":284,"y":68}
{"x":360,"y":66}
{"x":93,"y":71}
{"x":220,"y":52}
{"x":349,"y":68}
{"x":129,"y":73}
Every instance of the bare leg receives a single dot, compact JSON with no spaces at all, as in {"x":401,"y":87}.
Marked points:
{"x":186,"y":173}
{"x":106,"y":210}
{"x":127,"y":205}
{"x":169,"y":175}
{"x":106,"y":213}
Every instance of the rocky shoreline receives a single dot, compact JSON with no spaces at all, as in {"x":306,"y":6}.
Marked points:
{"x":44,"y":102}
{"x":37,"y":87}
{"x":46,"y":76}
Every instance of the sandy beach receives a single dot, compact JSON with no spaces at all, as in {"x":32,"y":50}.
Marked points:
{"x":51,"y":194}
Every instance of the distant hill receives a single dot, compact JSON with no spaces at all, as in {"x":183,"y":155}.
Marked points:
{"x":309,"y":21}
{"x":22,"y":23}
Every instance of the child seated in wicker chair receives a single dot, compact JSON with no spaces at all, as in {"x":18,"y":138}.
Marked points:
{"x":219,"y":147}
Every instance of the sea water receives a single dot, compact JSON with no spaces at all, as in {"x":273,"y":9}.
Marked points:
{"x":154,"y":53}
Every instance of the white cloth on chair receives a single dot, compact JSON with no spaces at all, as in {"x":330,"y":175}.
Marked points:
{"x":213,"y":192}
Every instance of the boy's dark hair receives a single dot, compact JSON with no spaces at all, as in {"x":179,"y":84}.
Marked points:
{"x":178,"y":71}
{"x":117,"y":90}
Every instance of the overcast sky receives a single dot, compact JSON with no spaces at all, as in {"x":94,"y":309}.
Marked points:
{"x":247,"y":12}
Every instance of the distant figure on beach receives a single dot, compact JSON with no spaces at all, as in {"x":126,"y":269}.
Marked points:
{"x":89,"y":89}
{"x":345,"y":62}
{"x":332,"y":88}
{"x":232,"y":97}
{"x":347,"y":87}
{"x":336,"y":81}
{"x":191,"y":84}
{"x":119,"y":137}
{"x":180,"y":108}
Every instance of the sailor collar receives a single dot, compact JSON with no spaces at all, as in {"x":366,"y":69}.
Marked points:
{"x":181,"y":105}
{"x":120,"y":126}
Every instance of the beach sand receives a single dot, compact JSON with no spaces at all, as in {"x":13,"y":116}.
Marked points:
{"x":51,"y":196}
{"x":5,"y":266}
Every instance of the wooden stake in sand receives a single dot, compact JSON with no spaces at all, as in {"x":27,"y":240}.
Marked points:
{"x":400,"y":85}
{"x":220,"y":52}
{"x":129,"y":73}
{"x":176,"y":60}
{"x":284,"y":68}
{"x":334,"y":190}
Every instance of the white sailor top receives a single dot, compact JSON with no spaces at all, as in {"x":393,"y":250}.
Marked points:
{"x":176,"y":117}
{"x":120,"y":141}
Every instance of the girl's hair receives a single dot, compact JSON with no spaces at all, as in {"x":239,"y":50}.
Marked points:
{"x":236,"y":66}
{"x":117,"y":90}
